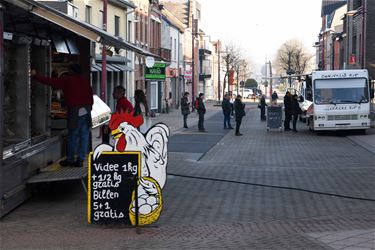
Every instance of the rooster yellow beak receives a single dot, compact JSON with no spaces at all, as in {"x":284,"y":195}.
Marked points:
{"x":116,"y":133}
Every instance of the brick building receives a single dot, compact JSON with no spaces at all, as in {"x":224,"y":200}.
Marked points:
{"x":350,"y":43}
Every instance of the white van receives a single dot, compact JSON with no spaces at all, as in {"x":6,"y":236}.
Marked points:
{"x":341,"y":100}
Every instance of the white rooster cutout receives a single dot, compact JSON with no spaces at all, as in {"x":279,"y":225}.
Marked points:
{"x":154,"y":158}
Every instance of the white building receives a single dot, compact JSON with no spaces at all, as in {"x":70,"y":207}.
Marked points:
{"x":172,"y":39}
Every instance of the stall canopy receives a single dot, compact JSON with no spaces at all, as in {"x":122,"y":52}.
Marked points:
{"x":83,"y":29}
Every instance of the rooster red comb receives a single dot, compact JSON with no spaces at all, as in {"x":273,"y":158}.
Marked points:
{"x":118,"y":118}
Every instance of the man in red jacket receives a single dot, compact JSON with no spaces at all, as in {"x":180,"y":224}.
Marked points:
{"x":79,"y":100}
{"x":122,"y":104}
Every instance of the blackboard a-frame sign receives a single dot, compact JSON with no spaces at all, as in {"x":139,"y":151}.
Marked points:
{"x":274,"y":117}
{"x":112,"y":178}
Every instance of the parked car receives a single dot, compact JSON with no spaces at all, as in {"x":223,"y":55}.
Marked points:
{"x":246,"y":93}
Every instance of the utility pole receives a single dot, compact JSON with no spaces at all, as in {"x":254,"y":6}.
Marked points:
{"x":194,"y":28}
{"x":237,"y":73}
{"x":103,"y":84}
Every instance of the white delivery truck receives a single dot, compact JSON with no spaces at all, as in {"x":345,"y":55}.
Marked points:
{"x":341,"y":100}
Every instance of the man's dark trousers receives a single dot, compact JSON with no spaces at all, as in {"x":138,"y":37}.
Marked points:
{"x":200,"y":122}
{"x":238,"y":124}
{"x":288,"y":118}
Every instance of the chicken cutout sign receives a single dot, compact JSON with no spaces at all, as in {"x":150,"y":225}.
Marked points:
{"x":153,"y":147}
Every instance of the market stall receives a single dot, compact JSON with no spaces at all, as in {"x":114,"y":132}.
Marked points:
{"x":33,"y":126}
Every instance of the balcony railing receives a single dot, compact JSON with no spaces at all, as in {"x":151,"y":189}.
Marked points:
{"x":165,"y":54}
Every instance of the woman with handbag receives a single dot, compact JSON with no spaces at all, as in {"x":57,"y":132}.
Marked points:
{"x":262,"y":105}
{"x":185,"y":107}
{"x":296,"y":110}
{"x":141,"y":107}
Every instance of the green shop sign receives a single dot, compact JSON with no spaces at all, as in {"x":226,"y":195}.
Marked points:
{"x":156,"y":72}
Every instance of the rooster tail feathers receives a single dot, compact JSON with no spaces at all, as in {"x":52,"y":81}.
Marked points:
{"x":157,"y":137}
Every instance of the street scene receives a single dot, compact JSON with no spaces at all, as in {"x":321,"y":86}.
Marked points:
{"x":166,"y":124}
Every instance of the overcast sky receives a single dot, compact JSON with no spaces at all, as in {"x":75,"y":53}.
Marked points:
{"x":261,"y":26}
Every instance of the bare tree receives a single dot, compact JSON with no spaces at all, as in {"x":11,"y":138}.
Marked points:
{"x":230,"y":59}
{"x":292,"y":57}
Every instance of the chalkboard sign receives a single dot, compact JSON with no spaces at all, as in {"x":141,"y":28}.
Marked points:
{"x":274,"y":117}
{"x":112,"y":178}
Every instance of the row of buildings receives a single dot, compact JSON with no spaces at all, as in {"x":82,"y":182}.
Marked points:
{"x":347,"y":37}
{"x":185,"y":57}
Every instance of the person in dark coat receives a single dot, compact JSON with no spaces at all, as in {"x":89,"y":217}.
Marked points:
{"x":287,"y":110}
{"x":274,"y":96}
{"x":201,"y":113}
{"x":239,"y":110}
{"x":185,"y":110}
{"x":296,"y":110}
{"x":263,"y":105}
{"x":227,"y":110}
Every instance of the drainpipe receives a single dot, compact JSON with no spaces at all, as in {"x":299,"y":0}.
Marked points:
{"x":103,"y":86}
{"x":364,"y":3}
{"x":1,"y":99}
{"x":193,"y":62}
{"x":218,"y":68}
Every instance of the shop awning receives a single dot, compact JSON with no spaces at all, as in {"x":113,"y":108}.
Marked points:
{"x":122,"y":67}
{"x":83,"y":29}
{"x":110,"y":67}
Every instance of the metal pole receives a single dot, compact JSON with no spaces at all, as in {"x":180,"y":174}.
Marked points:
{"x":266,"y":83}
{"x":238,"y":84}
{"x":218,"y":73}
{"x":103,"y":85}
{"x":289,"y":77}
{"x":192,"y":62}
{"x":1,"y":99}
{"x":269,"y":62}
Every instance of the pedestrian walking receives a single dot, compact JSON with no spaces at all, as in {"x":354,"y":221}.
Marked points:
{"x":227,"y":110}
{"x":287,"y":110}
{"x":185,"y":109}
{"x":263,"y":105}
{"x":141,"y":108}
{"x":201,"y":112}
{"x":274,"y":97}
{"x":239,"y":110}
{"x":79,"y":100}
{"x":296,"y":110}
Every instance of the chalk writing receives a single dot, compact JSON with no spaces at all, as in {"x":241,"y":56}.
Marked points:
{"x":112,"y":181}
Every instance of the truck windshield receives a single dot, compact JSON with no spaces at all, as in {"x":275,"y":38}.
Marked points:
{"x":340,"y":91}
